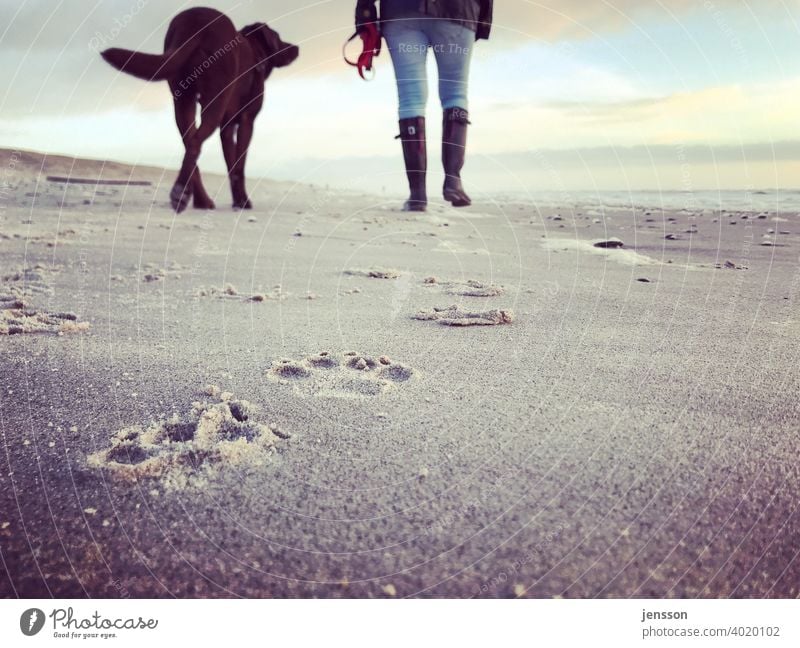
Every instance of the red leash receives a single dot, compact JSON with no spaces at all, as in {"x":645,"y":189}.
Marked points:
{"x":371,"y":39}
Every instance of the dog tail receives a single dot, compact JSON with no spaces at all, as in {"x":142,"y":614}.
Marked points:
{"x":150,"y":67}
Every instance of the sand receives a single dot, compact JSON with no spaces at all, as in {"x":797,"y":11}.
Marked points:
{"x":631,"y":430}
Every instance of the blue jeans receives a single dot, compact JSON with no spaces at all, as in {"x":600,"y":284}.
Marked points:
{"x":408,"y":42}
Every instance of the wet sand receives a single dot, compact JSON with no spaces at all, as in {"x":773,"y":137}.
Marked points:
{"x":328,"y":397}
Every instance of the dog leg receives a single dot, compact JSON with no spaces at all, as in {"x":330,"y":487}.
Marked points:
{"x":210,"y":119}
{"x":179,"y":196}
{"x":185,"y":110}
{"x":201,"y":198}
{"x":243,"y":136}
{"x":227,"y":135}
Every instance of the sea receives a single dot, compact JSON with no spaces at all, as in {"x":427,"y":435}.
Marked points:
{"x":785,"y":202}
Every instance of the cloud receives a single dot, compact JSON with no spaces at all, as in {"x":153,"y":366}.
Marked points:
{"x":714,"y":115}
{"x":554,"y":20}
{"x":49,"y":49}
{"x":784,"y":150}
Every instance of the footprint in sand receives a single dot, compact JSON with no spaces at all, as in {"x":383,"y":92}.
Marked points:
{"x":186,"y":451}
{"x":351,"y":375}
{"x":29,"y":280}
{"x":374,"y":273}
{"x":230,"y":292}
{"x":152,"y":273}
{"x":468,"y":288}
{"x":17,"y":314}
{"x":456,"y":316}
{"x":16,"y":318}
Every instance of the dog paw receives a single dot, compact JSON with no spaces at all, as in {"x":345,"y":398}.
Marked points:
{"x":242,"y":204}
{"x":204,"y":204}
{"x":179,"y":196}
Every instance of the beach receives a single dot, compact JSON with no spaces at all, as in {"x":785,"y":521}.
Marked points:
{"x":327,"y":397}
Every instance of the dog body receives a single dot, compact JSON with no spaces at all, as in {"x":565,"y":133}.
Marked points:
{"x":207,"y":61}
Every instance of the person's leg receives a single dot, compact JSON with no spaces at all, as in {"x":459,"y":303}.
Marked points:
{"x":408,"y":47}
{"x":452,"y":45}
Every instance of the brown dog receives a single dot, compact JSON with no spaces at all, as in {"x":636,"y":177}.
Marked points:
{"x":206,"y":60}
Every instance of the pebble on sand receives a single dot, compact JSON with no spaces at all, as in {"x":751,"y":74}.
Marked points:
{"x":390,"y":590}
{"x":611,"y":243}
{"x":730,"y":265}
{"x":278,"y":432}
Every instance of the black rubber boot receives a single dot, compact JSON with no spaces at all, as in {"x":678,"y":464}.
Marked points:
{"x":412,"y":136}
{"x":454,"y":142}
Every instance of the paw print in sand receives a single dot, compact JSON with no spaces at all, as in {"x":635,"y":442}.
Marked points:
{"x":190,"y":450}
{"x":351,"y":375}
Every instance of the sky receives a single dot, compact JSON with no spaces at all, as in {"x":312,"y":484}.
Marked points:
{"x":566,"y":94}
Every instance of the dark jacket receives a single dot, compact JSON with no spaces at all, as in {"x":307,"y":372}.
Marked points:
{"x":475,"y":14}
